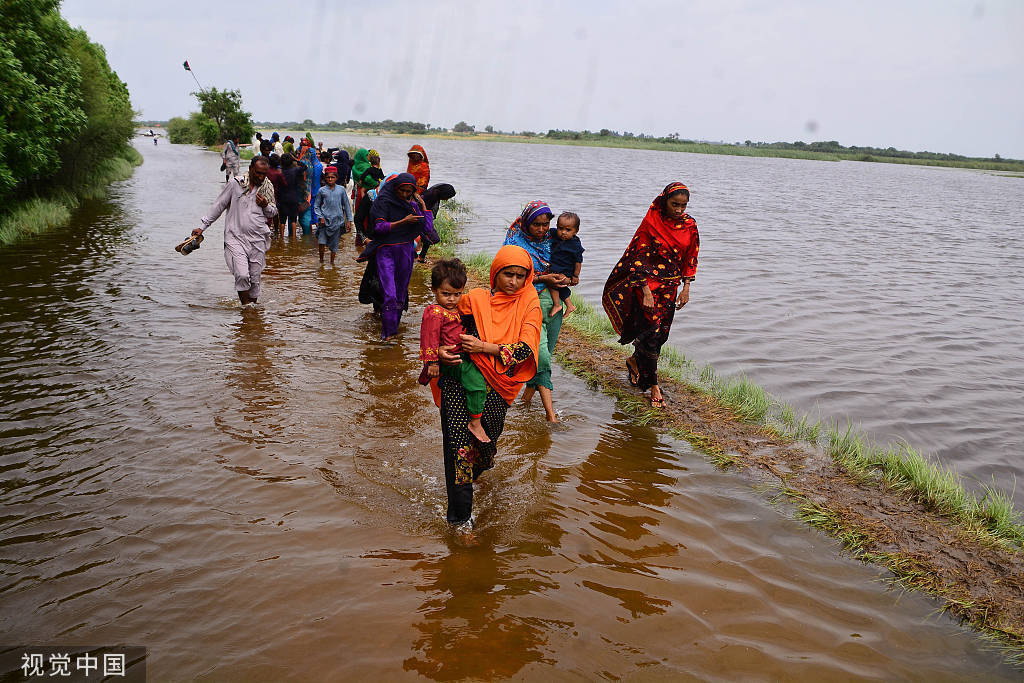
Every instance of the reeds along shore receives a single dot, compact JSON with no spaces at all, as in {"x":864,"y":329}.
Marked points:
{"x":35,"y":215}
{"x":832,"y":474}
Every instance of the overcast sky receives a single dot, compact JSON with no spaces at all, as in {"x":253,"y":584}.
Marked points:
{"x":936,"y":75}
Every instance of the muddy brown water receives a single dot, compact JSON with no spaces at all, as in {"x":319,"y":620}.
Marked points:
{"x":259,"y":494}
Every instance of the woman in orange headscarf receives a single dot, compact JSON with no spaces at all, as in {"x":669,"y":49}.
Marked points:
{"x":502,"y":335}
{"x":419,"y":166}
{"x":642,"y":293}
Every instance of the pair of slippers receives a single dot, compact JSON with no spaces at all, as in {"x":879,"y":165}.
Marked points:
{"x":634,"y":381}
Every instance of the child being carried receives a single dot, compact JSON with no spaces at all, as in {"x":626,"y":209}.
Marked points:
{"x":566,"y":259}
{"x":442,"y":326}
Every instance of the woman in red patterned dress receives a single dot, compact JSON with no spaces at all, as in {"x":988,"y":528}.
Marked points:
{"x":643,"y":291}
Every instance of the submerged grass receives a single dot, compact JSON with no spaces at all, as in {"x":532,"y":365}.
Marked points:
{"x":35,"y":215}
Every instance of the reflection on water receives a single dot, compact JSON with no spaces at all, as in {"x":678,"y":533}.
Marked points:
{"x":267,"y":482}
{"x":463,"y":633}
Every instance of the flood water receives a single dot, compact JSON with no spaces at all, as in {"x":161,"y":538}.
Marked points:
{"x":259,"y":494}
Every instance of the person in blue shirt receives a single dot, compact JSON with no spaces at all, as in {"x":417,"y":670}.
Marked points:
{"x":566,"y":259}
{"x":335,"y":214}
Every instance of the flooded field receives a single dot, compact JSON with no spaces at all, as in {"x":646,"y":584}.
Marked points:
{"x":259,"y":493}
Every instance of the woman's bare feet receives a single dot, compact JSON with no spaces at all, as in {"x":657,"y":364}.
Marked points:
{"x":634,"y":372}
{"x":477,"y":430}
{"x":657,"y":399}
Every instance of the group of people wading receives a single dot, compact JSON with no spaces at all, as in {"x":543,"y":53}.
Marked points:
{"x":479,"y":348}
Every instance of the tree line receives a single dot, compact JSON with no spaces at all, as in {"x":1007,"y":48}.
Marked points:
{"x":63,"y":110}
{"x":826,"y":147}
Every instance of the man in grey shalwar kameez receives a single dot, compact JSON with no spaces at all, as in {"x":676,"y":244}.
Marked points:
{"x":249,"y":203}
{"x":231,"y":157}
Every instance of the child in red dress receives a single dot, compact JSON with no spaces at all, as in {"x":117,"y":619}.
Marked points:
{"x":442,"y":326}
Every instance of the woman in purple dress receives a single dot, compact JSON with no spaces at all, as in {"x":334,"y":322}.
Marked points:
{"x":398,"y":216}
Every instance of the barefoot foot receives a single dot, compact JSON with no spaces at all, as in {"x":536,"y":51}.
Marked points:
{"x":477,"y":430}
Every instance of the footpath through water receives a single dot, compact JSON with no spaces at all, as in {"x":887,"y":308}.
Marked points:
{"x":259,"y":493}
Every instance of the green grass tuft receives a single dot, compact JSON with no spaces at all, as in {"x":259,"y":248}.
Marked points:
{"x":589,"y":320}
{"x":997,"y":511}
{"x":32,"y":217}
{"x":748,"y":400}
{"x":35,"y":215}
{"x":446,"y":224}
{"x":935,"y":485}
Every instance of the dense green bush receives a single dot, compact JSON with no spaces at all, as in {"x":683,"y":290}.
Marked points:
{"x":108,"y":110}
{"x":197,"y":129}
{"x":63,"y":111}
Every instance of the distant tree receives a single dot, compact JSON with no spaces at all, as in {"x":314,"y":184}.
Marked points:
{"x":197,"y":129}
{"x":605,"y":132}
{"x":490,"y":129}
{"x":333,"y":124}
{"x":463,"y":127}
{"x":224,"y":108}
{"x":308,"y":123}
{"x":997,"y":157}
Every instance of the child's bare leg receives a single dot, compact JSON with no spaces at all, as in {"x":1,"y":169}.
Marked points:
{"x":476,"y":428}
{"x":333,"y":254}
{"x":549,"y":409}
{"x":556,"y":302}
{"x":322,"y":254}
{"x":569,"y":306}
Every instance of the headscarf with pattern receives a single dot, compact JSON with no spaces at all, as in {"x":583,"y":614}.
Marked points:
{"x":517,"y":234}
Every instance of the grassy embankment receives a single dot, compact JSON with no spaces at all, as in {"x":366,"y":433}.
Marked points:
{"x":695,"y":147}
{"x":838,"y":494}
{"x":34,"y":215}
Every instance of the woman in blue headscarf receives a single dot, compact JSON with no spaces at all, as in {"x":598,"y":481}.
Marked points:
{"x":397,"y":217}
{"x":531,"y":231}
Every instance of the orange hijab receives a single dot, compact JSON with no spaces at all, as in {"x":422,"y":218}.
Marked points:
{"x":420,"y":169}
{"x":506,"y":319}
